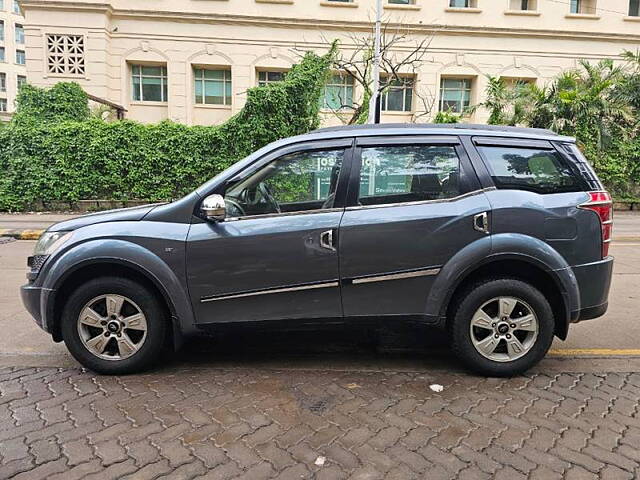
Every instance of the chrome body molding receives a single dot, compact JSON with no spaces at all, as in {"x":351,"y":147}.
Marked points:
{"x":422,"y":202}
{"x":284,"y":214}
{"x":396,"y":276}
{"x":312,"y":286}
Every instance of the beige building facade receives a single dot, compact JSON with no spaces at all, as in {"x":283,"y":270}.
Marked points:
{"x":192,"y":61}
{"x":13,"y":71}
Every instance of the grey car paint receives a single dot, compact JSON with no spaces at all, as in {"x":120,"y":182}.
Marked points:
{"x":402,"y":238}
{"x":119,"y":215}
{"x":191,"y":260}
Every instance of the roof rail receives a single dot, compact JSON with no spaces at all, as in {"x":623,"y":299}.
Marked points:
{"x":435,"y":126}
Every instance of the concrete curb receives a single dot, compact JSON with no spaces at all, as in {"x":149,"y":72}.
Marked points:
{"x":21,"y":234}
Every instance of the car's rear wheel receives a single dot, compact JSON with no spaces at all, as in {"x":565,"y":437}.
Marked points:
{"x":502,"y":327}
{"x":114,"y":325}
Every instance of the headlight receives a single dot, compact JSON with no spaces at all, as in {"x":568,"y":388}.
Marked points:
{"x":49,"y":242}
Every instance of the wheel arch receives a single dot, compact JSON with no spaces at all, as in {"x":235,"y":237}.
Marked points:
{"x":104,"y":267}
{"x":508,"y":254}
{"x":522,"y":268}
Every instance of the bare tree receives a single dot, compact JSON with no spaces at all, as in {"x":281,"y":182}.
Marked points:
{"x":401,"y":58}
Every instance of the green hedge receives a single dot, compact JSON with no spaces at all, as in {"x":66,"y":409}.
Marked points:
{"x":54,"y":151}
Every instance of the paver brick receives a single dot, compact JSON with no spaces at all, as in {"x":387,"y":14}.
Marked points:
{"x":217,"y":423}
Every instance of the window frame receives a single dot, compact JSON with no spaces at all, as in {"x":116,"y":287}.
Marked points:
{"x":408,"y":85}
{"x":2,"y":30}
{"x":343,"y":86}
{"x":3,"y":57}
{"x":227,"y":71}
{"x":18,"y":31}
{"x":24,"y":56}
{"x":3,"y":82}
{"x":346,"y":144}
{"x":516,"y":143}
{"x":163,"y":76}
{"x":523,"y":5}
{"x":4,"y":102}
{"x":441,"y":90}
{"x":634,"y":8}
{"x":266,"y":72}
{"x":468,"y":182}
{"x":469,"y":4}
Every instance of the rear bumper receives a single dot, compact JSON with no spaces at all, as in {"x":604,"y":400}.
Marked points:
{"x":594,"y":281}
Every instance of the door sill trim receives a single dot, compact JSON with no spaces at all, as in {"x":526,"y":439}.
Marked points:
{"x":396,"y":276}
{"x":299,"y":288}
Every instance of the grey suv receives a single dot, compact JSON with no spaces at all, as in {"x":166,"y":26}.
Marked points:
{"x":498,"y":235}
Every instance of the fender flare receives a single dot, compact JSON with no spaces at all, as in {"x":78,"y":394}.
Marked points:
{"x":503,"y":247}
{"x":128,"y":254}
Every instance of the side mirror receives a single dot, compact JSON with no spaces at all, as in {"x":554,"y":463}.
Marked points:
{"x":214,"y":208}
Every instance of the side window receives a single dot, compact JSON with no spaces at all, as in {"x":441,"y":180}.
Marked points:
{"x":532,"y":169}
{"x":296,"y":182}
{"x":399,"y":174}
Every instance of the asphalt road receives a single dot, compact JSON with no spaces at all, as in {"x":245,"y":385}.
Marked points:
{"x":616,"y":333}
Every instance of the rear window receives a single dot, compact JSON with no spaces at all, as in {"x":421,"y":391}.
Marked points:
{"x":533,"y":169}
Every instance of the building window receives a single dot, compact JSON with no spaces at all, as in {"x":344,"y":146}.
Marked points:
{"x":21,"y":58}
{"x":149,"y":83}
{"x":3,"y":104}
{"x":266,"y":77}
{"x":212,"y":87}
{"x":2,"y":57}
{"x":21,"y":81}
{"x":3,"y":82}
{"x":1,"y":4}
{"x":455,"y":94}
{"x":65,"y":54}
{"x":341,"y":1}
{"x":526,"y":5}
{"x":463,"y":3}
{"x":19,"y":34}
{"x":16,"y":7}
{"x":1,"y":30}
{"x":398,"y":96}
{"x":402,"y":2}
{"x":634,"y":8}
{"x":584,"y":7}
{"x":338,"y":93}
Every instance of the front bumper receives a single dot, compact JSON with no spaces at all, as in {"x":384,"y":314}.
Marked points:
{"x":594,"y":281}
{"x":35,"y":300}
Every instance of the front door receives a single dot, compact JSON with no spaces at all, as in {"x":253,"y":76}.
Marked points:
{"x":412,"y":205}
{"x":276,"y":254}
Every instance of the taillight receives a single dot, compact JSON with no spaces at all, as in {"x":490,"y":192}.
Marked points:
{"x":600,"y":202}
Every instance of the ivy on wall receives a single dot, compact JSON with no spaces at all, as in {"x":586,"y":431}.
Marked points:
{"x":53,"y":150}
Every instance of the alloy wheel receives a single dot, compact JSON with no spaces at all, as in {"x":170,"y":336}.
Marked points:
{"x":112,"y":327}
{"x":504,"y":329}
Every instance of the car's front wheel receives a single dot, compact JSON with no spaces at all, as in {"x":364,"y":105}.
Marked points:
{"x":502,"y":327}
{"x":114,"y":325}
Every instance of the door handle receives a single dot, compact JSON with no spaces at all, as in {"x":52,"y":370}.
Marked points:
{"x":326,"y":240}
{"x":481,"y":222}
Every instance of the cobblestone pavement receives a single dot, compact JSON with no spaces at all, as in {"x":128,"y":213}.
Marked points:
{"x":254,"y":423}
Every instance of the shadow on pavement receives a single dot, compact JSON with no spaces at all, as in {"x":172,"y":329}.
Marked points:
{"x":337,"y":346}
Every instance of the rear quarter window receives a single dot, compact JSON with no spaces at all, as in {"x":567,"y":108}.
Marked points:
{"x":533,"y":169}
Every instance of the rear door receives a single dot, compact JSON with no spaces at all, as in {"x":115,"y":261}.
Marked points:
{"x":537,"y":194}
{"x":413,"y":203}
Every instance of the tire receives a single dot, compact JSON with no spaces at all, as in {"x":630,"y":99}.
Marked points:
{"x":126,"y":350}
{"x":493,"y":298}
